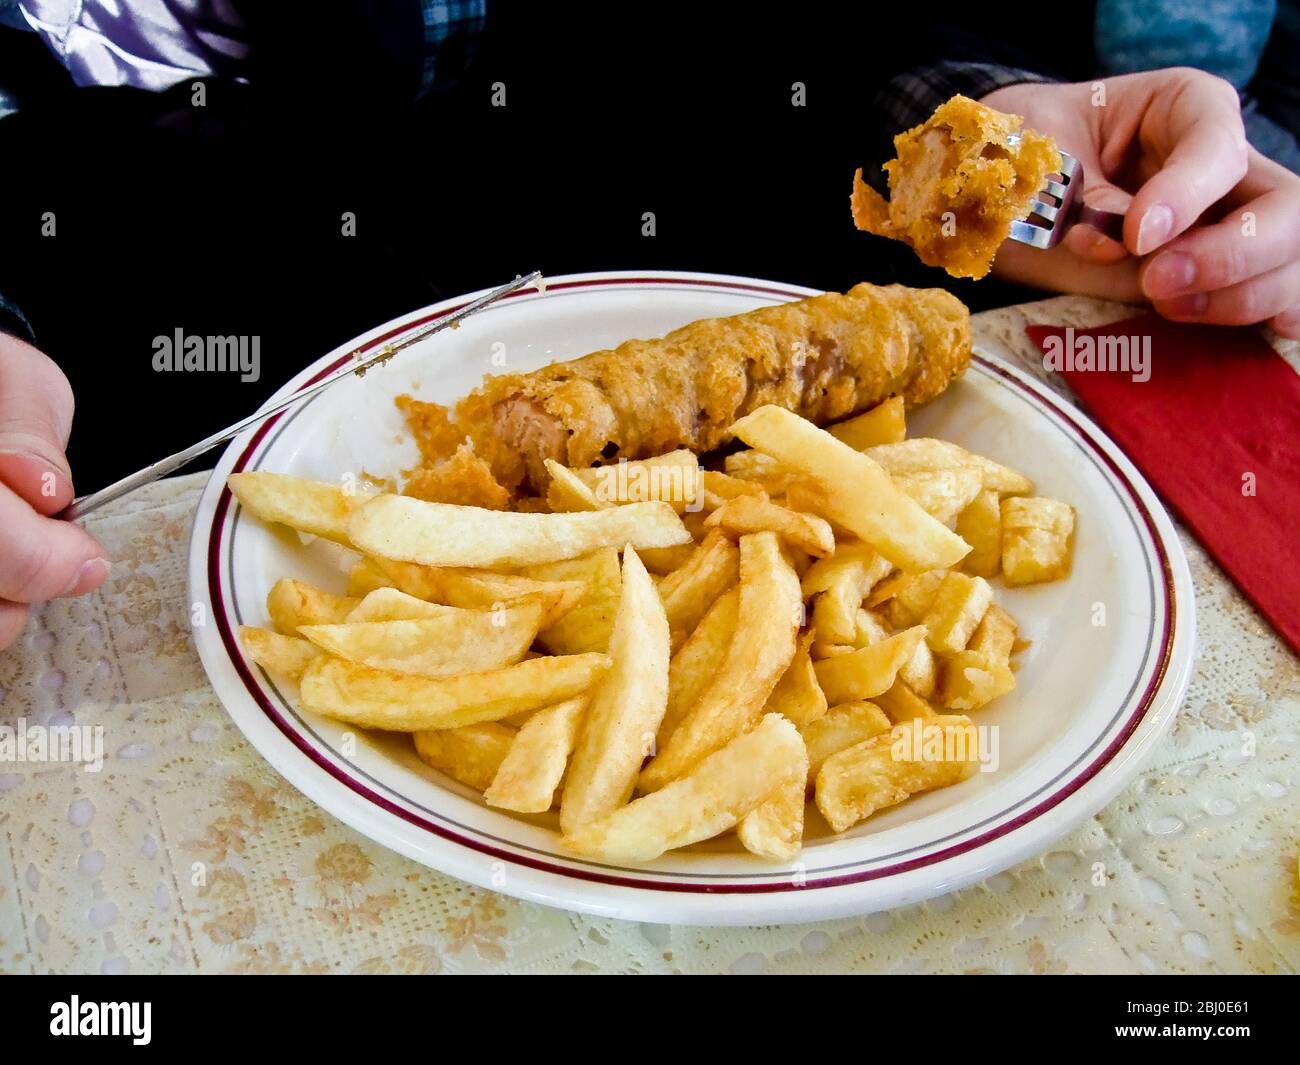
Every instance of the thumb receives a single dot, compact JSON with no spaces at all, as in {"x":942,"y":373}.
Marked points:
{"x":1085,"y":241}
{"x":35,"y":419}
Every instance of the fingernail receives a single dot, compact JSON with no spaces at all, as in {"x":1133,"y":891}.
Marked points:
{"x":1170,"y":274}
{"x":91,"y":575}
{"x":1189,"y":306}
{"x":1155,"y":227}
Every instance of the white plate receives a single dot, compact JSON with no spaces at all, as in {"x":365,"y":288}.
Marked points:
{"x":1109,"y":662}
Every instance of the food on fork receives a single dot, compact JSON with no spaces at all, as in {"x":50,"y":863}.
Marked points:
{"x":824,"y":358}
{"x":959,"y":181}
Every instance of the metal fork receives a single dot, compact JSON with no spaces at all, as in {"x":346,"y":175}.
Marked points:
{"x":1059,"y":205}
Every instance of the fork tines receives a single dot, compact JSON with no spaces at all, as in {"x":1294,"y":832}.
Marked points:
{"x":1052,"y":204}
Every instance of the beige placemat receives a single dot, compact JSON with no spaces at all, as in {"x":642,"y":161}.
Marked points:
{"x":187,"y":853}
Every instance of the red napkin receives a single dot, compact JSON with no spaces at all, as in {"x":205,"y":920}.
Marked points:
{"x":1220,"y":405}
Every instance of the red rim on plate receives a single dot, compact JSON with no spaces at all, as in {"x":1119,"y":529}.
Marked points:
{"x":712,"y":885}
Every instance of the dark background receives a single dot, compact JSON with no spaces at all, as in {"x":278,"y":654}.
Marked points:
{"x":227,"y":219}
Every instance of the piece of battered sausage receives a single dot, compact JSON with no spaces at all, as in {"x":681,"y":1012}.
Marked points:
{"x":824,"y":358}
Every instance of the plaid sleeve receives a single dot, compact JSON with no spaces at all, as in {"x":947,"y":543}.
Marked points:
{"x":451,"y":33}
{"x":911,"y":97}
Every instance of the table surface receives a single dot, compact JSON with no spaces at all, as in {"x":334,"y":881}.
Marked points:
{"x":188,"y":853}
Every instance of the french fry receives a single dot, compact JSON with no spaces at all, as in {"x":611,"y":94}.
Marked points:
{"x":883,"y":771}
{"x":749,"y":514}
{"x":995,"y":635}
{"x":835,"y":612}
{"x":458,"y":641}
{"x":533,"y":767}
{"x":858,"y":494}
{"x":761,"y":469}
{"x":587,"y":624}
{"x":888,"y":541}
{"x":903,"y":704}
{"x":694,"y":666}
{"x":458,"y":586}
{"x":764,"y":643}
{"x":673,"y":478}
{"x":980,"y":525}
{"x":626,"y":708}
{"x":891,"y":587}
{"x":969,"y":680}
{"x":869,"y":671}
{"x":365,"y":577}
{"x":774,"y":829}
{"x":808,"y":498}
{"x":291,"y":603}
{"x":517,"y":721}
{"x":450,"y":585}
{"x":798,"y":558}
{"x":316,"y":507}
{"x":821,"y":575}
{"x":471,"y":754}
{"x":920,"y":672}
{"x":392,"y":604}
{"x":870,"y":629}
{"x":957,"y":608}
{"x":402,"y":702}
{"x":661,"y":561}
{"x":287,"y":655}
{"x":885,"y":423}
{"x":839,"y":728}
{"x":713,"y":797}
{"x":943,"y":494}
{"x":924,"y":454}
{"x":689,"y":592}
{"x":443,"y":534}
{"x":835,"y":609}
{"x":1037,"y":538}
{"x":719,"y":487}
{"x":567,"y":492}
{"x":797,"y":695}
{"x":714,"y":552}
{"x":693,"y":521}
{"x":981,"y":673}
{"x":914,"y":599}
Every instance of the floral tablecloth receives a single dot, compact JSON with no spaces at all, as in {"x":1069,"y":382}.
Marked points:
{"x":187,"y":853}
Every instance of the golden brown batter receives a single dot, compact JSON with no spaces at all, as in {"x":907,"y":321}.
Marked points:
{"x":825,"y":358}
{"x":957,"y":186}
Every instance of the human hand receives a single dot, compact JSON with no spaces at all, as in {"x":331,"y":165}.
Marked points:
{"x":1212,"y":227}
{"x":40,"y":557}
